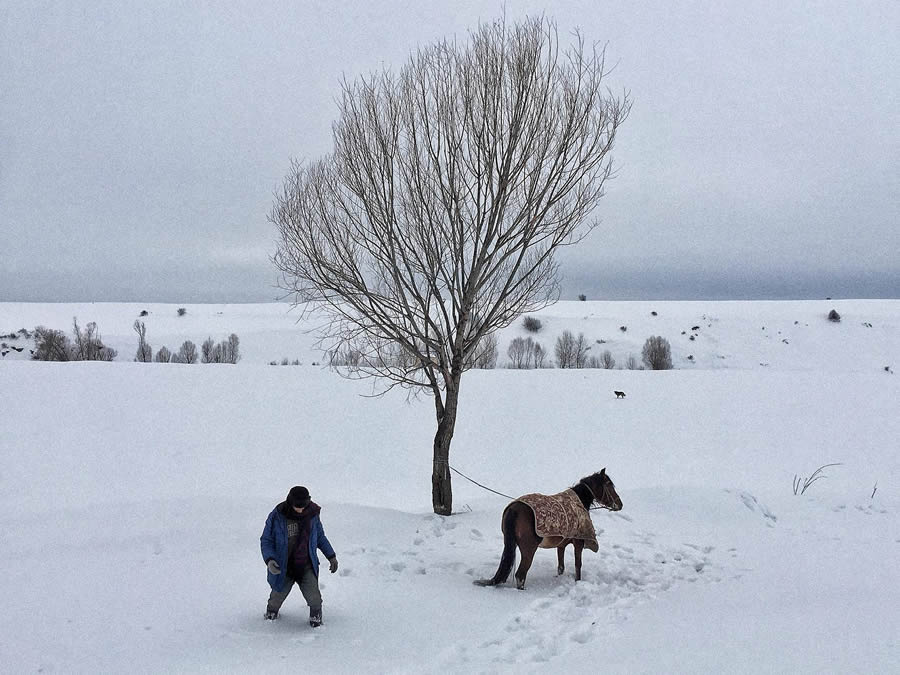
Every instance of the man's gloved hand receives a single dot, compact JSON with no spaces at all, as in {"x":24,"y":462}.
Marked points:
{"x":274,"y":567}
{"x":332,"y":564}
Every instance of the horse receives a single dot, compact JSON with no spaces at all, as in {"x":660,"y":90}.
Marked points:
{"x":519,"y":529}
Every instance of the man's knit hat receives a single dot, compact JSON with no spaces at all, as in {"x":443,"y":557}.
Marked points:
{"x":298,"y":496}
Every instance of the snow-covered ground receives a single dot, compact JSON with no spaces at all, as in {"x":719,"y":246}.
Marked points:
{"x":132,"y":497}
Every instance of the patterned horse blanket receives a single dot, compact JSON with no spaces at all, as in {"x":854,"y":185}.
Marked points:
{"x":561,"y":515}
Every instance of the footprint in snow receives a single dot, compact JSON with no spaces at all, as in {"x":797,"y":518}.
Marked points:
{"x":702,"y":549}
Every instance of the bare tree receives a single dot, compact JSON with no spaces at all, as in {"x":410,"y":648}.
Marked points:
{"x":607,"y":361}
{"x":485,"y":355}
{"x":187,"y":353}
{"x":144,"y":352}
{"x":571,"y":352}
{"x":519,"y":352}
{"x":207,"y":349}
{"x":581,"y":351}
{"x":435,"y":220}
{"x":163,"y":355}
{"x":231,"y":352}
{"x":565,"y":350}
{"x":540,"y":356}
{"x":88,"y":345}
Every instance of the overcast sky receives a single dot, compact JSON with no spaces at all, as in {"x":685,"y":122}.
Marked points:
{"x":141,"y":142}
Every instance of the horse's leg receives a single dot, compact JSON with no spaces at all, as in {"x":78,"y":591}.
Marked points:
{"x":528,"y":541}
{"x":579,"y":547}
{"x":527,"y":553}
{"x":561,"y":557}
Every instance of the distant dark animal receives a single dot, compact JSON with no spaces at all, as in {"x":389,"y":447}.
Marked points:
{"x":18,"y":349}
{"x":520,"y":527}
{"x":695,"y":327}
{"x":619,"y":394}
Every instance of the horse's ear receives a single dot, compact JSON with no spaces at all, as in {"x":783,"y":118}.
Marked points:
{"x":603,"y":471}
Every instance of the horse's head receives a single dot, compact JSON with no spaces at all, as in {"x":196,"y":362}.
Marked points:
{"x":604,"y":490}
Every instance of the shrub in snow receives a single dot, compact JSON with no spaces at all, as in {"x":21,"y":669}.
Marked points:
{"x":531,"y":324}
{"x":631,"y":363}
{"x":801,"y":485}
{"x":182,"y":311}
{"x":163,"y":355}
{"x":582,"y":297}
{"x":657,"y":354}
{"x":51,"y":345}
{"x":834,"y":316}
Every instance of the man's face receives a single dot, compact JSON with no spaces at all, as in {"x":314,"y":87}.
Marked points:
{"x":299,"y":509}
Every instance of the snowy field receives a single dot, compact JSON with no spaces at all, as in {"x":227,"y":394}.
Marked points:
{"x":132,"y":497}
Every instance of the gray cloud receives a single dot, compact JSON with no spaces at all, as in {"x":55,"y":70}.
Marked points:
{"x":140,"y":144}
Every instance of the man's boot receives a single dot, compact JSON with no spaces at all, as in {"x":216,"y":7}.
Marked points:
{"x":315,"y":616}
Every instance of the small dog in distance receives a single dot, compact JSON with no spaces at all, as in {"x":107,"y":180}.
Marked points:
{"x":619,"y":394}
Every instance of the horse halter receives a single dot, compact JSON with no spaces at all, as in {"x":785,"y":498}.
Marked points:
{"x":600,"y":504}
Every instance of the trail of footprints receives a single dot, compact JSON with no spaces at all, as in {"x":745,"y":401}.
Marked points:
{"x":555,"y":614}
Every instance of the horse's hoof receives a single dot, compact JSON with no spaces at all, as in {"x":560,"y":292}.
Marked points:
{"x":559,"y":571}
{"x":520,"y":585}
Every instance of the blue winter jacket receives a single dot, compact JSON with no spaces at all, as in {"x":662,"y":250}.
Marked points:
{"x":274,"y":545}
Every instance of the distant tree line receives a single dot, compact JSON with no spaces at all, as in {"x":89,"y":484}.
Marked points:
{"x":226,"y":351}
{"x":87,"y":345}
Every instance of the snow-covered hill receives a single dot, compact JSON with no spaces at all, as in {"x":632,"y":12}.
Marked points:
{"x":793,"y":335}
{"x":132,"y":497}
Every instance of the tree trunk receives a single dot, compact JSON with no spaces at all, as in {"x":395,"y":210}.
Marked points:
{"x":441,"y":489}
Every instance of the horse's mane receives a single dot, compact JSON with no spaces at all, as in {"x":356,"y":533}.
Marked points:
{"x":584,"y":492}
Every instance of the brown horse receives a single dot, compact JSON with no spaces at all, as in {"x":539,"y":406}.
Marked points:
{"x":518,"y":526}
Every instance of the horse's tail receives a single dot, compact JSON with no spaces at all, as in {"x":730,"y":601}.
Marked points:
{"x":509,"y":551}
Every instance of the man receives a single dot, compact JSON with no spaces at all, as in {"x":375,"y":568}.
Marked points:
{"x":290,"y":542}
